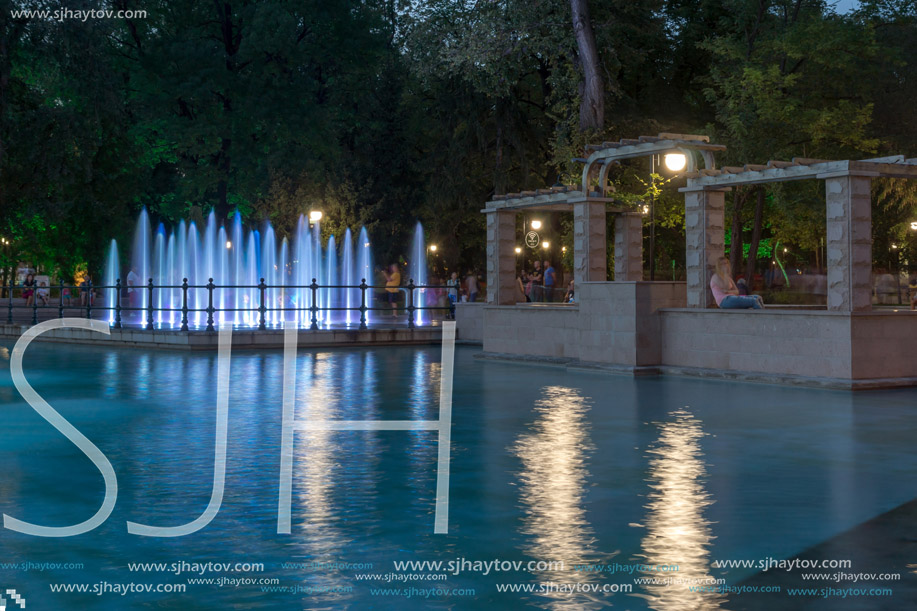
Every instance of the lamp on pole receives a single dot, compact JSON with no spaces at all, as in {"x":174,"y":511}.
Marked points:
{"x":674,"y":162}
{"x":653,"y":218}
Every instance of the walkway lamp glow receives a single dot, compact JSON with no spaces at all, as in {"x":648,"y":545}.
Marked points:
{"x":546,"y":245}
{"x":676,"y":162}
{"x":315,"y":216}
{"x":228,"y":244}
{"x":536,"y":225}
{"x":518,"y":250}
{"x":913,"y":225}
{"x":432,"y":247}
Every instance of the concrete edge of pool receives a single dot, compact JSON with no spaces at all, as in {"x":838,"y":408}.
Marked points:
{"x":241,"y":338}
{"x":572,"y":364}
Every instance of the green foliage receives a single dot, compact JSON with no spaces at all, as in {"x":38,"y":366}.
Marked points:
{"x":385,"y":112}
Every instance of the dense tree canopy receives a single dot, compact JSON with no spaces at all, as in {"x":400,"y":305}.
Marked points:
{"x":382,"y":112}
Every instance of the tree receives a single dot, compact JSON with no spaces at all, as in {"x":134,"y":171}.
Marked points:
{"x":592,"y":90}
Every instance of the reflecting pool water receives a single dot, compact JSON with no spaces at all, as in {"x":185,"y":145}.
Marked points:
{"x":573,"y":482}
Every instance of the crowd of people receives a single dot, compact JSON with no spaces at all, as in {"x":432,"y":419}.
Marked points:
{"x":540,"y":284}
{"x":440,"y":298}
{"x":36,"y":292}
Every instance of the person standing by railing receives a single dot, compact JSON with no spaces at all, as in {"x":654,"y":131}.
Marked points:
{"x":133,"y":293}
{"x":392,"y":282}
{"x":471,"y":285}
{"x":537,"y":292}
{"x":549,"y":278}
{"x":85,"y":295}
{"x":453,"y":293}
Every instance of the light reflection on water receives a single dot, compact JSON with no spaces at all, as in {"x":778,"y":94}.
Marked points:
{"x":677,"y":531}
{"x":553,"y":483}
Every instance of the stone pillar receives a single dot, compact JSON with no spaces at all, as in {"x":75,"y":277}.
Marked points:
{"x":629,"y":246}
{"x":590,"y":255}
{"x":849,"y":243}
{"x":704,"y":243}
{"x":501,"y":257}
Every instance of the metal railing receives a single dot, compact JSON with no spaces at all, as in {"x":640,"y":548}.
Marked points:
{"x":262,"y":309}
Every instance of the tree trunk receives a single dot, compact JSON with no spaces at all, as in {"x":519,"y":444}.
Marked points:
{"x":735,"y":248}
{"x":231,"y":34}
{"x":755,"y":239}
{"x":499,"y":182}
{"x":592,"y":90}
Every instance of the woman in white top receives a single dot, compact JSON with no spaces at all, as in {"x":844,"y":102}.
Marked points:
{"x":726,"y":293}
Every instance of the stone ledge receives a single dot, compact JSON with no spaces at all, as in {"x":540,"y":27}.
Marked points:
{"x":786,"y":379}
{"x":572,"y":364}
{"x":241,"y":339}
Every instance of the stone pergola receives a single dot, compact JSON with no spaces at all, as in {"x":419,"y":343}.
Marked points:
{"x":589,"y":206}
{"x":849,"y":220}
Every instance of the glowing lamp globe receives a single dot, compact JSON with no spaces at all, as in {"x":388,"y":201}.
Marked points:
{"x":676,"y":162}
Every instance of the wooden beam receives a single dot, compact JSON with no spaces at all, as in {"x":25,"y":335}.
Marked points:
{"x":687,"y":137}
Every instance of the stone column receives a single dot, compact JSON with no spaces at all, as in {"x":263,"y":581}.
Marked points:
{"x":590,"y":257}
{"x":704,"y":238}
{"x":501,"y":257}
{"x":629,"y":246}
{"x":849,"y":243}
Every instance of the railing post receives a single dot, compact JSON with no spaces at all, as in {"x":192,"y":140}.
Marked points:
{"x":149,"y":306}
{"x":9,"y":290}
{"x":34,"y":305}
{"x":118,"y":303}
{"x":262,"y":308}
{"x":210,"y":288}
{"x":184,"y":304}
{"x":314,"y":307}
{"x":363,"y":303}
{"x":60,"y":306}
{"x":89,"y":299}
{"x":410,"y":301}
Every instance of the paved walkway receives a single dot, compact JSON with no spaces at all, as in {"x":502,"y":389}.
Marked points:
{"x":885,"y":544}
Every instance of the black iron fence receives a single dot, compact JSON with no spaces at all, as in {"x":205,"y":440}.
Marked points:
{"x":86,"y":293}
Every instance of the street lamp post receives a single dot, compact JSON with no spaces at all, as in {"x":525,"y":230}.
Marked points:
{"x":653,"y":218}
{"x":674,"y":162}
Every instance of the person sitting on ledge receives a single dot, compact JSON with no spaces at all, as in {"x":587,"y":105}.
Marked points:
{"x":726,"y":292}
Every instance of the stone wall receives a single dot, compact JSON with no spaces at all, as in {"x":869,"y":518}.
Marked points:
{"x":614,"y":323}
{"x":634,"y":325}
{"x":883,"y":345}
{"x":619,"y":323}
{"x":532,"y":330}
{"x":469,"y":322}
{"x":799,"y":343}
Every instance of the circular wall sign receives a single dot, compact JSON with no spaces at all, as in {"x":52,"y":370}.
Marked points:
{"x":532,"y":239}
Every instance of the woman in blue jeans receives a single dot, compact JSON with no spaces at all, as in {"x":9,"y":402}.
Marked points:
{"x":726,"y":293}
